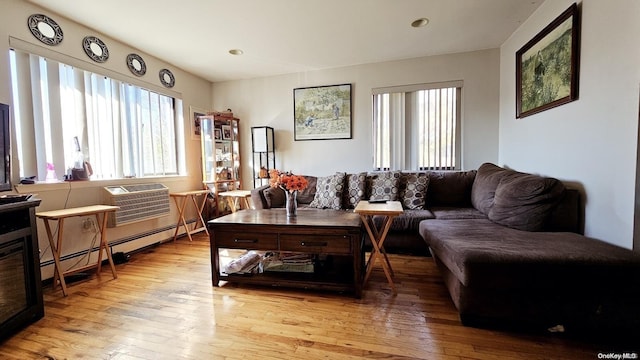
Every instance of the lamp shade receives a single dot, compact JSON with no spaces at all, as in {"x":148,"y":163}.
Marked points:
{"x":262,"y":137}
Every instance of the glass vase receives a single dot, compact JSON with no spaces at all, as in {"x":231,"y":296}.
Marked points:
{"x":291,"y":203}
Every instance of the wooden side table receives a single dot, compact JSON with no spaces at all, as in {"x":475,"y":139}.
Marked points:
{"x":181,"y":199}
{"x":367,"y":211}
{"x":237,"y":198}
{"x":100,"y":212}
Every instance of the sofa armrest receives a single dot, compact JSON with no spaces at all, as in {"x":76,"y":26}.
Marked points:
{"x":257,"y":198}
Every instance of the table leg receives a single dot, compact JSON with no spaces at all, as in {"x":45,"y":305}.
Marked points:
{"x":181,"y":206}
{"x":377,"y":235}
{"x":199,"y":213}
{"x":104,"y":245}
{"x":377,"y":241}
{"x":372,"y":232}
{"x":382,"y":238}
{"x":246,"y":202}
{"x":55,"y":251}
{"x":232,"y":203}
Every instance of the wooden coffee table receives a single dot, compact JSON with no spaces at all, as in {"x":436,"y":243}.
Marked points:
{"x":334,"y":237}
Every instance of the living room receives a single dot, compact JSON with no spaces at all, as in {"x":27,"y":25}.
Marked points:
{"x":566,"y":142}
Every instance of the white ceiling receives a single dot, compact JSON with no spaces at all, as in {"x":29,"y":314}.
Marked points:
{"x":287,"y":36}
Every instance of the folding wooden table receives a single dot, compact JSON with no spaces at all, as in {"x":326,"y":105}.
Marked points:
{"x":181,"y":199}
{"x":388,"y":211}
{"x":237,"y":198}
{"x":100,"y":212}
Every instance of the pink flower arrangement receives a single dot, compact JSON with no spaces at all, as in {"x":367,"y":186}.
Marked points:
{"x":287,"y":181}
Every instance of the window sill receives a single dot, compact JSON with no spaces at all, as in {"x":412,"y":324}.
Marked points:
{"x":67,"y":185}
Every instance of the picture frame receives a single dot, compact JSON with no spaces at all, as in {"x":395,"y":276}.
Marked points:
{"x":226,"y":132}
{"x":547,"y":66}
{"x":217,"y":134}
{"x":322,"y":112}
{"x":195,"y":122}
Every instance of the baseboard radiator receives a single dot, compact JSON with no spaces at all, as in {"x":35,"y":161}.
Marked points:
{"x":137,"y":202}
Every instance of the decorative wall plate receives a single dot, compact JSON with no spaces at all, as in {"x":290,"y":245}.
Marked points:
{"x":45,"y":29}
{"x":166,"y":78}
{"x":136,"y":64}
{"x":95,"y":49}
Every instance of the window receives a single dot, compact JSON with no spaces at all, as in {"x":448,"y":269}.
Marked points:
{"x":417,"y":127}
{"x":65,"y":116}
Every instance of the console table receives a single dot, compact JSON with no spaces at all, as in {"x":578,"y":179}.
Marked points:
{"x":332,"y":234}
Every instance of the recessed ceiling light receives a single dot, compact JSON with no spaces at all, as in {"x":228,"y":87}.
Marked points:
{"x":420,"y":22}
{"x":236,"y":52}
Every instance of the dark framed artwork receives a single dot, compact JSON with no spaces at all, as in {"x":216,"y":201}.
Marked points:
{"x":195,"y":122}
{"x":322,"y":112}
{"x":547,"y":66}
{"x":226,"y":132}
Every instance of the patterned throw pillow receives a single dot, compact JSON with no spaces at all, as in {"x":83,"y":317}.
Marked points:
{"x":329,"y":192}
{"x":384,"y":185}
{"x":355,"y":187}
{"x":413,"y":190}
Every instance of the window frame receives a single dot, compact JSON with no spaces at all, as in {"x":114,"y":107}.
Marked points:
{"x":178,"y":142}
{"x":403,"y":141}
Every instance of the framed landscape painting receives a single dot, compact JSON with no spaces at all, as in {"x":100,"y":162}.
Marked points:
{"x":322,"y":112}
{"x":547,"y":66}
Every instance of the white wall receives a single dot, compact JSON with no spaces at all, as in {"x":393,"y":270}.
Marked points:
{"x":194,"y":92}
{"x":591,"y":141}
{"x":269,"y":101}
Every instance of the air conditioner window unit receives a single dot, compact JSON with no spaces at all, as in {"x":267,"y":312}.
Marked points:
{"x":137,"y":202}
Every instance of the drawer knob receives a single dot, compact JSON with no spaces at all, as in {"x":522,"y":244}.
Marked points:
{"x":245,"y":241}
{"x":304,"y":243}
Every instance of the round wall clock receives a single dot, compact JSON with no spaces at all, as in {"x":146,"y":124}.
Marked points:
{"x":166,"y":78}
{"x":45,"y":29}
{"x":95,"y":49}
{"x":136,"y":64}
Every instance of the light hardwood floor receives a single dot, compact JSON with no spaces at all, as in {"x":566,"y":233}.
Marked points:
{"x":162,"y":306}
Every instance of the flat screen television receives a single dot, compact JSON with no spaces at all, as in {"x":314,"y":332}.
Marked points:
{"x":5,"y":155}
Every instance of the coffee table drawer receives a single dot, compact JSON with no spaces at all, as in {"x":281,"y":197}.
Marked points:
{"x":246,"y":240}
{"x":333,"y":244}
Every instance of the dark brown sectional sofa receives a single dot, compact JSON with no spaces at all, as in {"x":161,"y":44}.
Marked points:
{"x":523,"y":263}
{"x":508,"y":245}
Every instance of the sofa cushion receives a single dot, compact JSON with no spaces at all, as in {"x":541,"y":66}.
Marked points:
{"x":354,"y":191}
{"x":455,"y":213}
{"x":329,"y":192}
{"x":450,"y":188}
{"x":413,"y":190}
{"x":274,"y":196}
{"x":307,"y":195}
{"x":408,"y":221}
{"x":384,"y":185}
{"x":524,"y":201}
{"x":484,"y":186}
{"x":480,"y":253}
